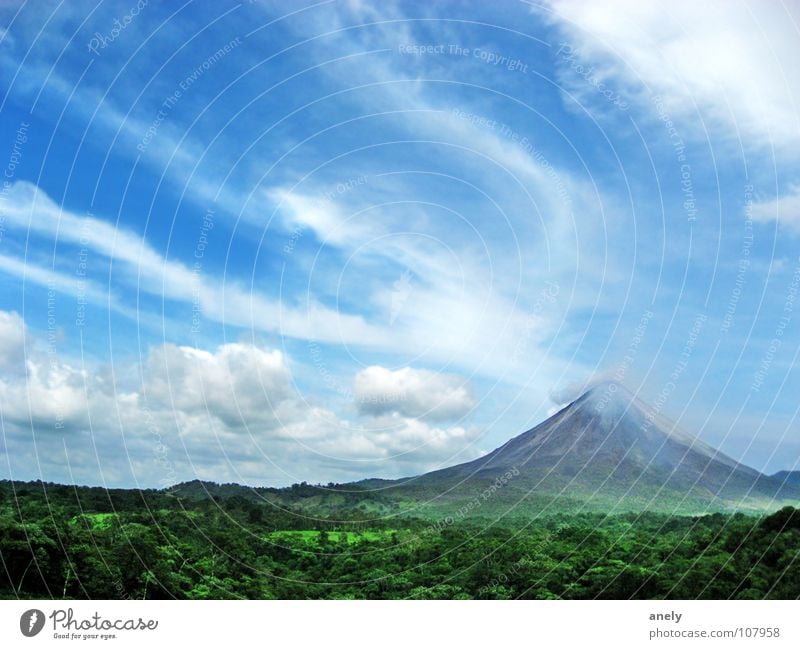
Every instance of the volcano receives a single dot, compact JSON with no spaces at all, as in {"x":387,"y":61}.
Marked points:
{"x":608,"y":450}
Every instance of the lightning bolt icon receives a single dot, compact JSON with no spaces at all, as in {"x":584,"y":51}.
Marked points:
{"x":32,"y":621}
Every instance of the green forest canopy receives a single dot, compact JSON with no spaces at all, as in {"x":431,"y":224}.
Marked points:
{"x":78,"y":542}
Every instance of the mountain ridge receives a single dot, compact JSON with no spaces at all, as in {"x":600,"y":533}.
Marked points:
{"x":607,"y":448}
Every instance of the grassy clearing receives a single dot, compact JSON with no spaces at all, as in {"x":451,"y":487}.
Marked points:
{"x":97,"y":521}
{"x":312,"y":538}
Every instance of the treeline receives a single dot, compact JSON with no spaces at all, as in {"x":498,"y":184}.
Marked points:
{"x":58,"y":541}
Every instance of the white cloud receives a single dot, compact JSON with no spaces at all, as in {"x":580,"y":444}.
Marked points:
{"x":475,"y":298}
{"x":36,"y":387}
{"x":31,"y":209}
{"x":122,"y":117}
{"x":440,"y":317}
{"x":729,"y":63}
{"x":12,"y":341}
{"x":78,"y":287}
{"x":784,"y":209}
{"x":571,"y":390}
{"x":228,"y":414}
{"x":239,"y":383}
{"x":412,"y":393}
{"x":321,"y":216}
{"x":138,"y":263}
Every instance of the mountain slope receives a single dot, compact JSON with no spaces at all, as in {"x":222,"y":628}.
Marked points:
{"x":607,"y":449}
{"x":787,"y":477}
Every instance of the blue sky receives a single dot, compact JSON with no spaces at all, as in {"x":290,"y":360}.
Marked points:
{"x":265,"y":244}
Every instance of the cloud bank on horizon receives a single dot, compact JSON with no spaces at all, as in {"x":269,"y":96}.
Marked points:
{"x":264,"y":244}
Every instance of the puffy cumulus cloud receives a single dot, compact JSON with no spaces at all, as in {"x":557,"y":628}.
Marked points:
{"x":240,"y":384}
{"x":53,"y":395}
{"x":727,"y":60}
{"x":35,"y":385}
{"x":418,"y":440}
{"x":387,"y":446}
{"x":12,"y":341}
{"x":412,"y":393}
{"x":230,"y":414}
